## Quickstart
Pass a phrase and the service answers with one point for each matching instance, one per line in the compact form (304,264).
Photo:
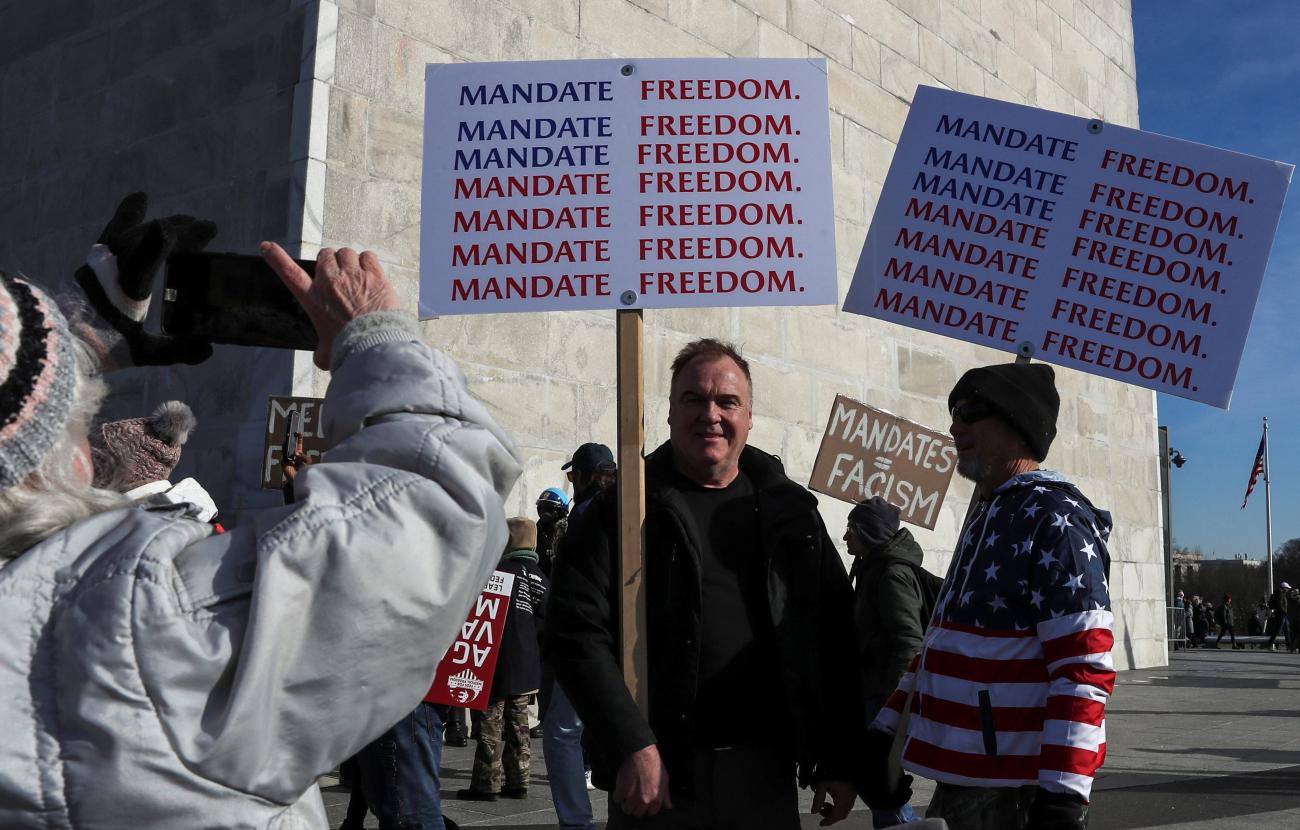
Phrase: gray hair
(57,494)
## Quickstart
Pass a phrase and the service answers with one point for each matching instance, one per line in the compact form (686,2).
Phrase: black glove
(118,278)
(876,789)
(1057,811)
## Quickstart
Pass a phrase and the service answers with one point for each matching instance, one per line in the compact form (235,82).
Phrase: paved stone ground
(1212,741)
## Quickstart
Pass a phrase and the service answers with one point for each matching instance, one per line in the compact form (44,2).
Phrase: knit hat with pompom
(137,451)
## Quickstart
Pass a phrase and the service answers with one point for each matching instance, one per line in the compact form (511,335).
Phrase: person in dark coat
(1225,617)
(749,628)
(504,750)
(889,609)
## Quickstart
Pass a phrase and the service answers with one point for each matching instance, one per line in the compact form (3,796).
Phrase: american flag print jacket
(1011,683)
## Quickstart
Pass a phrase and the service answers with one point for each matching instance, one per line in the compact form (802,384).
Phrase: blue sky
(1228,75)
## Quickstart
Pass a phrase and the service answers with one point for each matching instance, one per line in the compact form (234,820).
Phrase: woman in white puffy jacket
(155,674)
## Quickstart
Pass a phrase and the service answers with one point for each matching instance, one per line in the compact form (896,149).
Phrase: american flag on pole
(1255,471)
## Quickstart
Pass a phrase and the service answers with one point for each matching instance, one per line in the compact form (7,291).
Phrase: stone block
(772,11)
(1030,43)
(939,59)
(1103,38)
(901,76)
(760,332)
(81,64)
(782,394)
(926,12)
(925,373)
(969,37)
(578,348)
(655,7)
(693,323)
(822,29)
(866,55)
(31,27)
(798,453)
(826,345)
(365,8)
(626,28)
(866,103)
(29,84)
(561,14)
(849,200)
(551,43)
(597,414)
(349,118)
(356,43)
(1078,51)
(1015,71)
(892,26)
(728,26)
(394,144)
(970,75)
(398,65)
(530,408)
(775,42)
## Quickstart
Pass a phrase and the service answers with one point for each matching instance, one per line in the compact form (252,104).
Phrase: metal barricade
(1176,626)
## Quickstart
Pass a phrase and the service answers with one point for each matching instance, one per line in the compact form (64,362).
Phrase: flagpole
(1268,510)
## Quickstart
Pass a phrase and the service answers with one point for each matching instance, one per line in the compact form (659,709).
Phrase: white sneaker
(590,785)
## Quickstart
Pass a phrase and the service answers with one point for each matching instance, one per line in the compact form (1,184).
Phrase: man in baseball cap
(591,469)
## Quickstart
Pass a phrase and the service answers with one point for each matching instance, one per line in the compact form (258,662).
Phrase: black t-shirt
(739,681)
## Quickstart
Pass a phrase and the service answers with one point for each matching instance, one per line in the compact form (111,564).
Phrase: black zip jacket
(808,595)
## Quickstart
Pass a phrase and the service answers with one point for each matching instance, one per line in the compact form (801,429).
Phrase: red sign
(464,676)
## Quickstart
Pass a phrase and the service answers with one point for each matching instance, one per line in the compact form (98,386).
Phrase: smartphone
(233,298)
(292,435)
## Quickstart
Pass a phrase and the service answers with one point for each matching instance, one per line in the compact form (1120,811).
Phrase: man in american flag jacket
(1007,697)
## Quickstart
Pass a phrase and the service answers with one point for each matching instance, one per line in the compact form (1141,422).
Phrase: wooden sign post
(631,501)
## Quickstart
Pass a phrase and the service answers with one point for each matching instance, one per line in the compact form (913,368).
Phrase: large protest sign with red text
(598,184)
(464,676)
(1115,251)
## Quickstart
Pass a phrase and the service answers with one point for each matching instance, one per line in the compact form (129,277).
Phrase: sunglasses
(971,411)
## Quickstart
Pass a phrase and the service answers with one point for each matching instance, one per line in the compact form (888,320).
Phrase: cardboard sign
(600,184)
(869,452)
(1118,252)
(464,676)
(278,413)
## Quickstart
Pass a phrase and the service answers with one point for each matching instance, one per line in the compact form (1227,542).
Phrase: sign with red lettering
(598,184)
(869,452)
(464,676)
(1114,251)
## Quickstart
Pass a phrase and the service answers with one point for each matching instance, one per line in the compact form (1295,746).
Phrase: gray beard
(972,468)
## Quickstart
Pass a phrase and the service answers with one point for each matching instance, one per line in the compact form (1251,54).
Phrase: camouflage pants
(982,808)
(505,722)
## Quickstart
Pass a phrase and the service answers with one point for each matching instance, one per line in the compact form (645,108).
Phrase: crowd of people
(1270,617)
(163,670)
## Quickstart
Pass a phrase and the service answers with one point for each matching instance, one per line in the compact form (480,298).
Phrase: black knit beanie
(875,521)
(1024,394)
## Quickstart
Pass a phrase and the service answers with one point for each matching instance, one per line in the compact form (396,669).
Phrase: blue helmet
(555,496)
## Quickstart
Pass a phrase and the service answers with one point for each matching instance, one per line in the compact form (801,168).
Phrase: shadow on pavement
(1196,799)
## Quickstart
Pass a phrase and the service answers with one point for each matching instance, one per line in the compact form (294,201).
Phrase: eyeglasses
(971,411)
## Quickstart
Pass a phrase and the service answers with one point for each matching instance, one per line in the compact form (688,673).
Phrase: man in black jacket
(752,686)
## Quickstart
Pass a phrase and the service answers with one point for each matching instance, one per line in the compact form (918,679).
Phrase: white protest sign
(599,184)
(1118,252)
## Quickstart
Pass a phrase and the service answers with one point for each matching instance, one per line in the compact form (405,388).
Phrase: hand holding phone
(346,286)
